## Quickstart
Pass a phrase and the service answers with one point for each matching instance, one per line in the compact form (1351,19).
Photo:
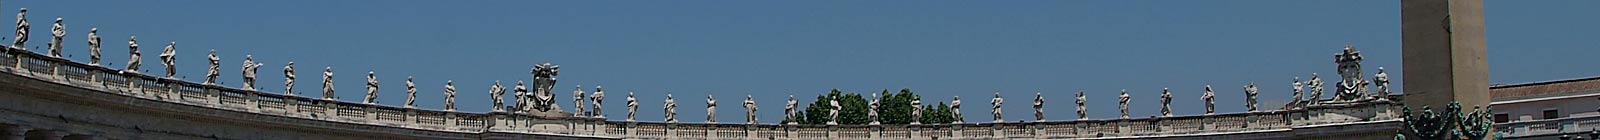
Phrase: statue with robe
(214,67)
(327,83)
(1250,93)
(1124,103)
(1210,98)
(633,106)
(372,88)
(749,109)
(1166,103)
(790,112)
(22,30)
(1038,107)
(872,109)
(595,100)
(249,69)
(833,110)
(1083,113)
(497,93)
(56,33)
(169,59)
(520,92)
(916,110)
(955,110)
(133,53)
(449,95)
(1316,89)
(1382,80)
(1299,90)
(577,102)
(711,109)
(94,46)
(997,101)
(288,78)
(411,93)
(671,110)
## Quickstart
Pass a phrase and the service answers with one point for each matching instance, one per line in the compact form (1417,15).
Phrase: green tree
(936,114)
(817,111)
(896,108)
(855,109)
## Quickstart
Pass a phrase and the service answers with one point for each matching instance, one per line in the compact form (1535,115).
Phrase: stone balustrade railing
(507,125)
(1535,128)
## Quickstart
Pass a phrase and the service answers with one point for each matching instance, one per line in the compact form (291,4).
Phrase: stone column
(1442,49)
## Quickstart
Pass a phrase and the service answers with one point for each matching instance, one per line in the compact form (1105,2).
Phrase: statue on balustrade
(1382,80)
(1299,90)
(672,110)
(711,109)
(789,111)
(916,110)
(497,93)
(56,33)
(327,83)
(543,83)
(1083,111)
(577,102)
(249,69)
(833,110)
(1166,103)
(1123,103)
(288,78)
(1352,85)
(449,95)
(596,100)
(214,68)
(372,88)
(518,93)
(749,109)
(411,93)
(955,110)
(1210,99)
(1316,89)
(1038,107)
(1250,93)
(133,54)
(22,30)
(997,101)
(94,46)
(872,109)
(169,59)
(633,106)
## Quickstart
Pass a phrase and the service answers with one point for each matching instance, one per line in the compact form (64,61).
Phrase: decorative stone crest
(544,80)
(1352,86)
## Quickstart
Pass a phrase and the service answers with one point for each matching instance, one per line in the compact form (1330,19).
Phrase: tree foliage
(817,111)
(937,114)
(855,109)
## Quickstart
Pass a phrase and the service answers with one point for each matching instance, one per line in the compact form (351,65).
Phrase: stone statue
(133,52)
(916,110)
(1083,111)
(497,94)
(214,67)
(833,110)
(1296,102)
(544,81)
(1166,103)
(22,30)
(411,93)
(1250,93)
(672,110)
(596,100)
(1352,85)
(633,106)
(577,102)
(872,109)
(449,95)
(789,111)
(520,92)
(372,88)
(1124,103)
(955,110)
(56,33)
(749,109)
(288,79)
(1382,80)
(1316,89)
(327,83)
(997,101)
(168,58)
(1038,107)
(711,109)
(94,46)
(249,69)
(1210,98)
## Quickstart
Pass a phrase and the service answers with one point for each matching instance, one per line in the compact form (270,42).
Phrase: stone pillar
(1442,50)
(16,133)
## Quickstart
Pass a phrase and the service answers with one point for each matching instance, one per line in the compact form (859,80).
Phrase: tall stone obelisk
(1443,53)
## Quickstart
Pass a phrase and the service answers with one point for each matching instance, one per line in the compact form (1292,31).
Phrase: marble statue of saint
(1166,103)
(1382,80)
(288,78)
(997,101)
(327,83)
(372,88)
(56,33)
(519,92)
(94,46)
(133,53)
(169,59)
(1299,90)
(872,109)
(711,109)
(449,95)
(1083,112)
(1250,93)
(789,111)
(916,110)
(497,93)
(1038,106)
(595,100)
(214,67)
(671,110)
(1210,98)
(249,71)
(577,101)
(955,110)
(749,109)
(833,110)
(1124,103)
(633,106)
(1316,89)
(22,30)
(411,93)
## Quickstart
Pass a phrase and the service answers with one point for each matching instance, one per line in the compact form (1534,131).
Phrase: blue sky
(772,49)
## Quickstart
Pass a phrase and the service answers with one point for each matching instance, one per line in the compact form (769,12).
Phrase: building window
(1501,118)
(1551,114)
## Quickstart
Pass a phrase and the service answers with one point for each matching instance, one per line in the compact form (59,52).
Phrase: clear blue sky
(772,49)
